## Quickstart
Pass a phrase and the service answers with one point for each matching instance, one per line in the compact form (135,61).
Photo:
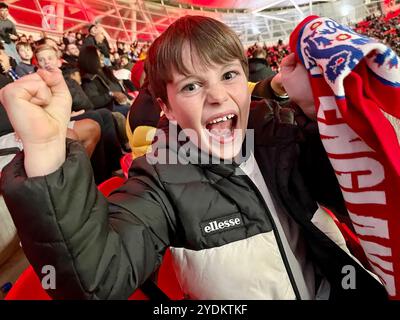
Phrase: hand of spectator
(39,109)
(297,85)
(13,37)
(120,97)
(77,113)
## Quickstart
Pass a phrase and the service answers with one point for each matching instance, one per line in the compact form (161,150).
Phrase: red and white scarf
(356,87)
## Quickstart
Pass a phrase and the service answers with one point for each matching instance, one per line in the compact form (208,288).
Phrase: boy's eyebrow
(197,76)
(185,77)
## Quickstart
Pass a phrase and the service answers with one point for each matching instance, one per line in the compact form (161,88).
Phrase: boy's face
(25,53)
(47,59)
(211,101)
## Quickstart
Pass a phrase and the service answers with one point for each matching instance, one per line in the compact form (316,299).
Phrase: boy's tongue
(221,128)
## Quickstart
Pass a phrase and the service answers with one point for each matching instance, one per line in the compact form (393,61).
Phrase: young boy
(25,67)
(241,230)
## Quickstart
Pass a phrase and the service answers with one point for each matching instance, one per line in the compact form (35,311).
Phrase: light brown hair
(22,44)
(212,41)
(44,47)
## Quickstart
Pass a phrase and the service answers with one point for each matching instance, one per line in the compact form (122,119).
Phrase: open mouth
(222,128)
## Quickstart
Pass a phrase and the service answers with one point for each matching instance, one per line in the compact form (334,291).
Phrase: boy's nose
(217,94)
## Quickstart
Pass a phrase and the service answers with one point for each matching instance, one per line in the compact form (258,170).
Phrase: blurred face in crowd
(25,52)
(94,30)
(124,61)
(72,50)
(4,61)
(53,43)
(71,37)
(3,13)
(212,101)
(48,59)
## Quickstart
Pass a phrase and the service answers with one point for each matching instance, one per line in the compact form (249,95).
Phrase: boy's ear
(167,111)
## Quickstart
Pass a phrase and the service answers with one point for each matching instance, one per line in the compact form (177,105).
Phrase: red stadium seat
(125,163)
(110,185)
(27,287)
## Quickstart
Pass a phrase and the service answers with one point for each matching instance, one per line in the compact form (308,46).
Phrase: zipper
(278,240)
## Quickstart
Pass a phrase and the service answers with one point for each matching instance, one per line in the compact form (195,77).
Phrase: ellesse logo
(221,224)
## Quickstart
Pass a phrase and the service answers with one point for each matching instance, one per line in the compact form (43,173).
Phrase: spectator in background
(70,38)
(30,39)
(258,66)
(23,38)
(71,53)
(105,158)
(79,39)
(8,33)
(120,48)
(126,63)
(103,46)
(116,64)
(99,83)
(97,38)
(7,65)
(90,40)
(25,52)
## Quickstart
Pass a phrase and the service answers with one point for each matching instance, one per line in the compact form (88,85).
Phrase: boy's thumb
(288,63)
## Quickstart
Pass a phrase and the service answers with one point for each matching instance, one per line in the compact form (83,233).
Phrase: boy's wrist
(277,87)
(44,158)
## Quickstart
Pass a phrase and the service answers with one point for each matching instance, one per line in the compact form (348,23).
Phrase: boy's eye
(190,87)
(230,75)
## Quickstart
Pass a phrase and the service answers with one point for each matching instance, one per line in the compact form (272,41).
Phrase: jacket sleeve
(99,99)
(100,248)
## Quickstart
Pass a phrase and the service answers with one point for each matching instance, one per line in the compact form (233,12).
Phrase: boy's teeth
(224,118)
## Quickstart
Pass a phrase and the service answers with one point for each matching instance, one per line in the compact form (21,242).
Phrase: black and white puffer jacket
(224,242)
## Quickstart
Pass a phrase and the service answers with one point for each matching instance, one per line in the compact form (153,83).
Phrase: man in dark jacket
(96,38)
(258,66)
(240,226)
(8,33)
